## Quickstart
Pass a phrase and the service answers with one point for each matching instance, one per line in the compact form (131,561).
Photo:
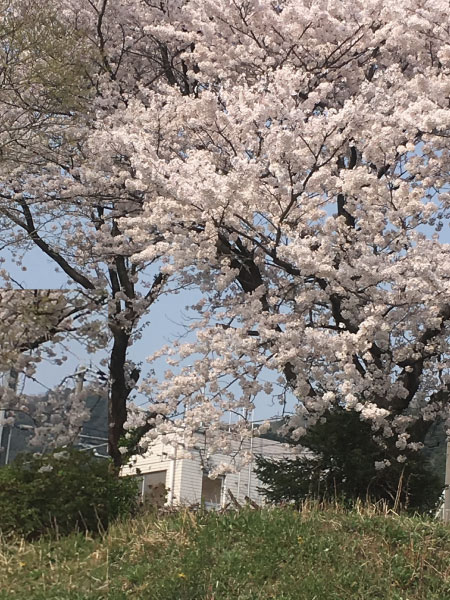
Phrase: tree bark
(119,392)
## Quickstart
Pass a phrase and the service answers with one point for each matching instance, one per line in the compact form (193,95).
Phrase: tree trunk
(118,394)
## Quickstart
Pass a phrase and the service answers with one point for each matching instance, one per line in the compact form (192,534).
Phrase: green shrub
(60,492)
(342,465)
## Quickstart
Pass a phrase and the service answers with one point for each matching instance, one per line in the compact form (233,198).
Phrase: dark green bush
(341,466)
(60,492)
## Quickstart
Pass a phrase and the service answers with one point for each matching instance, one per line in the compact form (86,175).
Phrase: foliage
(129,443)
(60,492)
(341,460)
(277,554)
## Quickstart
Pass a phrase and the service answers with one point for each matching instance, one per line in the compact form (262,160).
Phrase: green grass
(278,554)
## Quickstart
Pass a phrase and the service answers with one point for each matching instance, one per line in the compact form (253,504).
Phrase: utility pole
(2,427)
(446,511)
(80,375)
(13,380)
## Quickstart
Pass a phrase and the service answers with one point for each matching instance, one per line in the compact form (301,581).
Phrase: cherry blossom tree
(69,74)
(290,159)
(300,179)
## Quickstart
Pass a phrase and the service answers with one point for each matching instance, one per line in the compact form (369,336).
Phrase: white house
(186,480)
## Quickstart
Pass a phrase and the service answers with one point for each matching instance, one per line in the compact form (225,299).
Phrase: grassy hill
(278,554)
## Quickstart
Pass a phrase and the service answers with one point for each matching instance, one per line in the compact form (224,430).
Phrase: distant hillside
(94,432)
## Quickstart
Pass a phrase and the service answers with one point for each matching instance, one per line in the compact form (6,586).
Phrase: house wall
(245,483)
(185,475)
(241,484)
(159,457)
(191,475)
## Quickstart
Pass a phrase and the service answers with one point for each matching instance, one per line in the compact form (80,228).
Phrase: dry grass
(326,553)
(72,567)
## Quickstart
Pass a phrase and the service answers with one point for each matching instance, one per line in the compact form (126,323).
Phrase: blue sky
(166,320)
(166,323)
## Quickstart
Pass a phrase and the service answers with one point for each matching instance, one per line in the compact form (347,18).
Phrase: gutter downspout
(8,445)
(250,466)
(172,483)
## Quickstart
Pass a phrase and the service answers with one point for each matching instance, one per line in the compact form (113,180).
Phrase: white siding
(184,475)
(159,457)
(245,483)
(191,479)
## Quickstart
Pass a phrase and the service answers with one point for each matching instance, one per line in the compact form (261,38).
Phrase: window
(211,491)
(154,488)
